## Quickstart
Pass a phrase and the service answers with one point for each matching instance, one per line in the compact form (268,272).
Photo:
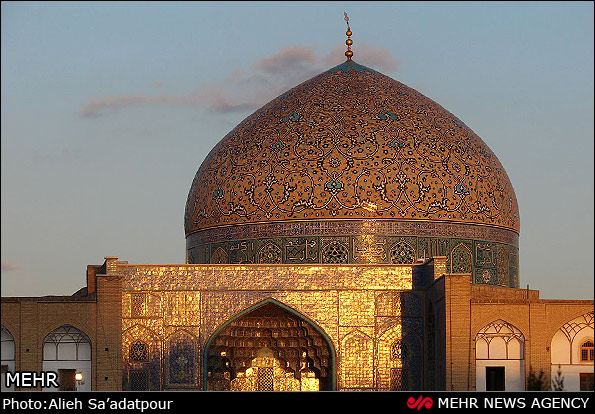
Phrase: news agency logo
(31,379)
(43,379)
(420,403)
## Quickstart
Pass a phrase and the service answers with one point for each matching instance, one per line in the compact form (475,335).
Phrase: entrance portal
(269,349)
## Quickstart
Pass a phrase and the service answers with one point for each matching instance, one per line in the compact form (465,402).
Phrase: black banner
(176,401)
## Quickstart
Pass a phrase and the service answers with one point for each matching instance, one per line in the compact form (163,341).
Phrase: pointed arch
(357,361)
(288,337)
(565,334)
(270,253)
(499,340)
(67,350)
(7,354)
(399,353)
(571,353)
(500,357)
(219,256)
(141,373)
(181,359)
(402,253)
(66,343)
(7,351)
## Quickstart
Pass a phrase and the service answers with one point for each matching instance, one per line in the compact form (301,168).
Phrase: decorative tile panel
(375,244)
(181,309)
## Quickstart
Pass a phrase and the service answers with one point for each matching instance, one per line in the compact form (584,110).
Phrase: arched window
(499,340)
(587,351)
(7,353)
(7,345)
(567,342)
(67,351)
(66,344)
(460,259)
(572,353)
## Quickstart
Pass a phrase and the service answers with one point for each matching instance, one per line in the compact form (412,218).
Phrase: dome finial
(348,42)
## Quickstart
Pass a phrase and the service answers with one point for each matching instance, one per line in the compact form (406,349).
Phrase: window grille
(399,350)
(137,305)
(399,379)
(139,380)
(264,379)
(138,351)
(587,351)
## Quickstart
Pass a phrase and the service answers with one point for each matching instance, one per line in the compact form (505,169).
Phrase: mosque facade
(351,234)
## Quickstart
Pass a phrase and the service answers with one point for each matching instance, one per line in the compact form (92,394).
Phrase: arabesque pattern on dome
(351,143)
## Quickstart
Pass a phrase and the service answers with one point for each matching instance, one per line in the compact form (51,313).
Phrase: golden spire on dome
(348,42)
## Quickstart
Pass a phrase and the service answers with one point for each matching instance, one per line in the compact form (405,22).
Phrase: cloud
(244,90)
(9,266)
(289,59)
(97,106)
(212,97)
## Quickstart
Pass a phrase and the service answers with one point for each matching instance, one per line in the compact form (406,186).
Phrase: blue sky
(109,108)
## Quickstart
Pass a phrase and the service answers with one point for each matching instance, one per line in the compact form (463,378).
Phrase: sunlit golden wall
(170,312)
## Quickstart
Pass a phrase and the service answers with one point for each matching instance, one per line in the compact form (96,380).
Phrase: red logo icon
(420,403)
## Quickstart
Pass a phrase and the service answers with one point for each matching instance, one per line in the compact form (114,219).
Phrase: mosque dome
(350,154)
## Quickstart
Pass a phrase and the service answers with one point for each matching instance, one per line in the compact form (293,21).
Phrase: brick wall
(108,348)
(31,319)
(468,308)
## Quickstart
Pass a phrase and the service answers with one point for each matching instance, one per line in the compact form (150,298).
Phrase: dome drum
(490,254)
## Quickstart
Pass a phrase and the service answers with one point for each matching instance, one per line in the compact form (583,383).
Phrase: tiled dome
(350,145)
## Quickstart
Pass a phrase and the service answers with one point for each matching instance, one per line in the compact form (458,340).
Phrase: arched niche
(500,357)
(357,361)
(67,351)
(142,354)
(567,350)
(7,353)
(292,343)
(399,354)
(181,359)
